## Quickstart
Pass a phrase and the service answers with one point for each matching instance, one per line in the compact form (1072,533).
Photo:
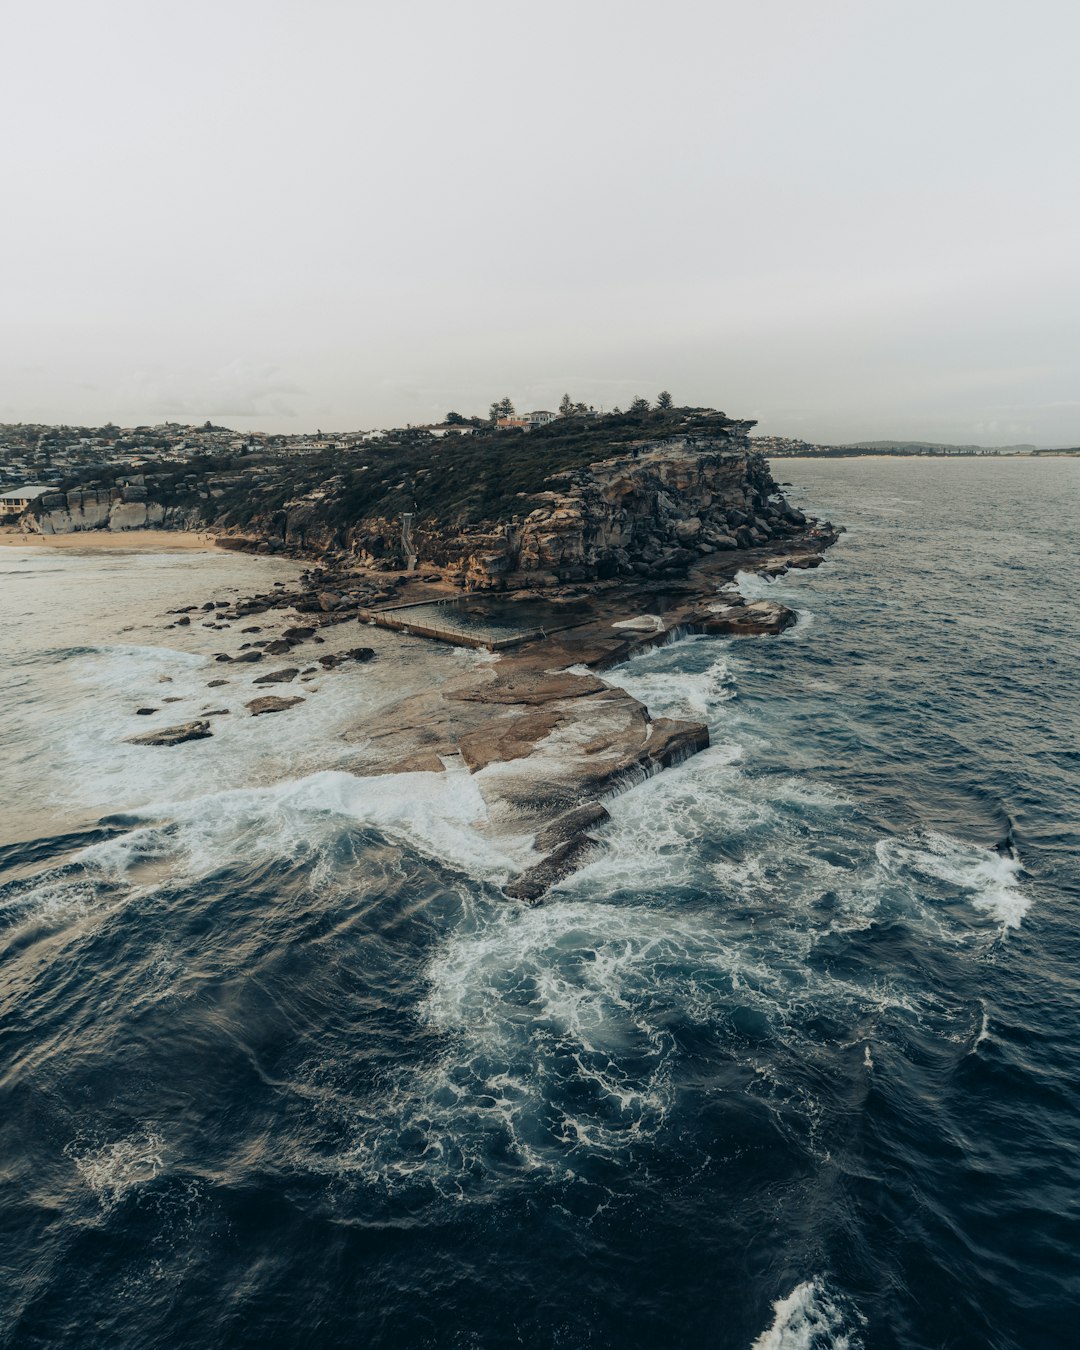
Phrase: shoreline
(114,541)
(545,731)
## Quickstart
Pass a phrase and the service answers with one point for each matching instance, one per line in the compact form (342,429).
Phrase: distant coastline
(788,447)
(920,454)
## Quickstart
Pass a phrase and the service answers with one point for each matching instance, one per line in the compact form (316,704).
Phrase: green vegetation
(478,477)
(491,476)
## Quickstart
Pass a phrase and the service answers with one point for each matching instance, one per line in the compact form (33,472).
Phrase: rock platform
(547,740)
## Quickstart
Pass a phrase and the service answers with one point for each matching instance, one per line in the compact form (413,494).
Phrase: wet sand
(120,541)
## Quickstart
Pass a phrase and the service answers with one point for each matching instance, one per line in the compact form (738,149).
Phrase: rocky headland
(622,554)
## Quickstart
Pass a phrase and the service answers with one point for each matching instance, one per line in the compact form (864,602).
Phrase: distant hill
(917,447)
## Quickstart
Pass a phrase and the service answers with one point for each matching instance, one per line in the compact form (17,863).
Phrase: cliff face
(648,513)
(126,508)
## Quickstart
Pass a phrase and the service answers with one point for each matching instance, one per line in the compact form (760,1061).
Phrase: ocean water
(793,1064)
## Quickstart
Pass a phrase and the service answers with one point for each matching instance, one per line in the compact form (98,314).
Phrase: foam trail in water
(989,880)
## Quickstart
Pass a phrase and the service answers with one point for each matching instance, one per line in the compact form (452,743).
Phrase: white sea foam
(783,590)
(989,880)
(113,1168)
(808,1318)
(441,816)
(436,813)
(96,769)
(661,681)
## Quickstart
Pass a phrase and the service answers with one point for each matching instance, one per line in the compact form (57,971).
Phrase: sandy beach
(120,541)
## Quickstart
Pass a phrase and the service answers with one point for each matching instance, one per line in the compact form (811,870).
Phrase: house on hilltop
(527,422)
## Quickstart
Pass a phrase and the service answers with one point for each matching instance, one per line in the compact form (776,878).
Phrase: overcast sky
(846,218)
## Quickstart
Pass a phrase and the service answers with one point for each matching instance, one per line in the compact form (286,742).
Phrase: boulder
(271,703)
(277,676)
(189,731)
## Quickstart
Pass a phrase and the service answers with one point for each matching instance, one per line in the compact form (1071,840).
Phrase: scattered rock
(278,648)
(215,684)
(145,712)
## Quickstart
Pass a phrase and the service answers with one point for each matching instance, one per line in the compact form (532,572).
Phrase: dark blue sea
(792,1064)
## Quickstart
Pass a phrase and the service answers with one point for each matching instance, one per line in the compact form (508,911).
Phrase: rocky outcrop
(271,703)
(651,513)
(189,731)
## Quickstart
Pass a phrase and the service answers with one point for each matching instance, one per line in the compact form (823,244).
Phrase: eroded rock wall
(105,509)
(648,513)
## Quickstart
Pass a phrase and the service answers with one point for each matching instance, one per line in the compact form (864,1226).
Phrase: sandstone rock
(505,738)
(271,703)
(189,731)
(687,531)
(531,688)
